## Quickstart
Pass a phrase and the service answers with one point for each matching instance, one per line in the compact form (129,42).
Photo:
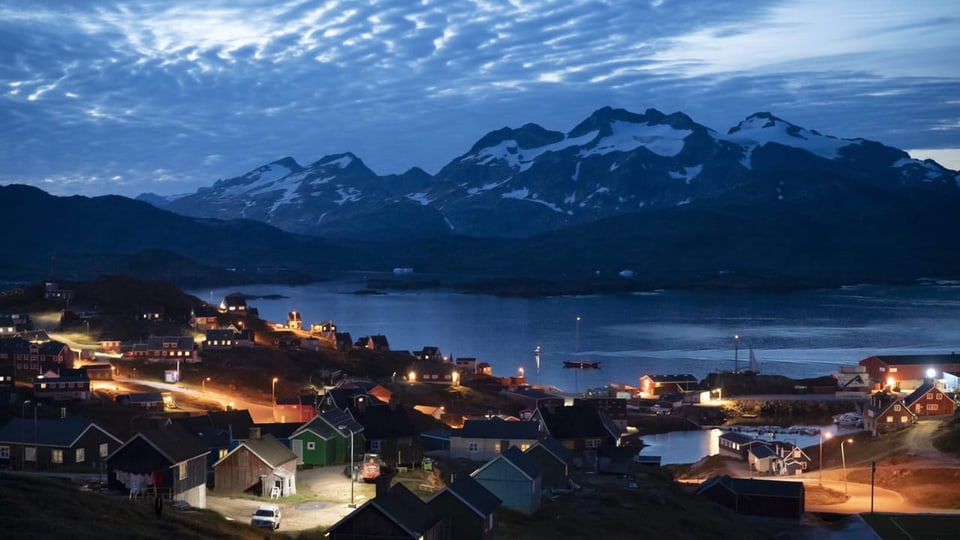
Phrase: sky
(163,96)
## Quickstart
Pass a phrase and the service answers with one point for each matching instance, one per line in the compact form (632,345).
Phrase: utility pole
(873,473)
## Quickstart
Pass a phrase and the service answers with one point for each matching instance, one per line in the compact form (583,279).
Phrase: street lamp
(576,338)
(843,458)
(521,372)
(203,384)
(353,473)
(821,455)
(273,398)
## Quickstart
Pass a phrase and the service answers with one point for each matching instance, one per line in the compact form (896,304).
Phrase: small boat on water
(849,419)
(571,364)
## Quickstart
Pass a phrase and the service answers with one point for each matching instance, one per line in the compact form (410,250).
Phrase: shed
(514,478)
(260,464)
(756,497)
(469,509)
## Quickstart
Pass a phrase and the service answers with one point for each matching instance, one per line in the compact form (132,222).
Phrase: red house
(928,400)
(909,371)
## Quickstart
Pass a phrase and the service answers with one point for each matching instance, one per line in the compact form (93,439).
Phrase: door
(297,447)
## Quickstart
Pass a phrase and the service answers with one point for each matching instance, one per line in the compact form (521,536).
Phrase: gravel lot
(328,485)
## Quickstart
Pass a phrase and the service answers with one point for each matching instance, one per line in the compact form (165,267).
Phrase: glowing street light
(521,372)
(736,353)
(273,397)
(203,384)
(843,458)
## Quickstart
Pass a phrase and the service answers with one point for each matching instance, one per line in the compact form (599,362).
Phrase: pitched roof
(280,430)
(61,432)
(473,494)
(498,429)
(755,487)
(554,447)
(407,510)
(738,438)
(574,422)
(762,450)
(921,391)
(387,421)
(671,378)
(267,449)
(522,462)
(330,424)
(173,442)
(915,359)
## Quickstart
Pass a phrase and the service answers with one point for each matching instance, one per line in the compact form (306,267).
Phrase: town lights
(273,398)
(828,435)
(521,372)
(843,459)
(412,376)
(456,377)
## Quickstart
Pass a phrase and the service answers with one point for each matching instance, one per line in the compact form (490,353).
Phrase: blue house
(513,477)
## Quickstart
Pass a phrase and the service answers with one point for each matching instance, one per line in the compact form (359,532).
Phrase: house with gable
(736,444)
(762,459)
(168,459)
(233,303)
(930,400)
(755,497)
(220,338)
(886,412)
(219,430)
(554,461)
(205,318)
(513,477)
(482,440)
(580,429)
(69,444)
(393,431)
(397,514)
(469,510)
(792,459)
(657,385)
(326,439)
(261,465)
(68,385)
(35,356)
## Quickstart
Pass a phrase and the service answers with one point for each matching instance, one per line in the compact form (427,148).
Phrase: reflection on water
(691,446)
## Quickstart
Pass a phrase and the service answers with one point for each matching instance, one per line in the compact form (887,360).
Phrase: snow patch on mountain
(347,194)
(342,162)
(760,129)
(576,172)
(420,198)
(688,173)
(660,139)
(509,151)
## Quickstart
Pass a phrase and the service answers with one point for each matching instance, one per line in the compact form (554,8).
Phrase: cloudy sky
(164,96)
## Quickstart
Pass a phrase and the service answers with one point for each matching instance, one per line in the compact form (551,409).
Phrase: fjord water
(797,334)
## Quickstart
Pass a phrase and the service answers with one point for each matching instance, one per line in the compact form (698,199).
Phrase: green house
(326,439)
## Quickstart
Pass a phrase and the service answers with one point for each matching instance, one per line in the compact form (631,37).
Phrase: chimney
(254,432)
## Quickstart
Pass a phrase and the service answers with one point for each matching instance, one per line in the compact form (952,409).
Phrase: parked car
(267,515)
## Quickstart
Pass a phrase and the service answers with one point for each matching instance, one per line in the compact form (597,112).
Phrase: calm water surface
(796,334)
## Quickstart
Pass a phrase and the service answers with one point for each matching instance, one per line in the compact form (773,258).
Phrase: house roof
(474,495)
(916,359)
(61,432)
(280,430)
(533,393)
(173,442)
(498,429)
(673,378)
(520,461)
(327,425)
(575,422)
(407,510)
(755,487)
(738,438)
(762,451)
(554,447)
(267,449)
(387,421)
(921,391)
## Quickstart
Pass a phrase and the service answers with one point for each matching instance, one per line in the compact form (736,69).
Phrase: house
(886,412)
(755,497)
(261,464)
(165,348)
(233,303)
(614,408)
(930,400)
(482,440)
(579,429)
(151,313)
(109,345)
(430,354)
(468,508)
(793,460)
(908,371)
(435,373)
(296,409)
(514,478)
(374,343)
(152,401)
(69,444)
(655,385)
(35,357)
(735,445)
(72,384)
(205,318)
(393,431)
(168,460)
(102,371)
(219,430)
(553,459)
(220,338)
(533,398)
(327,439)
(762,459)
(7,326)
(342,341)
(397,514)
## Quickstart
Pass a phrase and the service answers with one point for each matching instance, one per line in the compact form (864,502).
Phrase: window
(893,370)
(524,447)
(81,455)
(182,469)
(30,454)
(592,443)
(311,445)
(889,419)
(56,455)
(903,419)
(104,450)
(222,453)
(932,406)
(896,408)
(4,452)
(929,396)
(939,396)
(473,446)
(376,446)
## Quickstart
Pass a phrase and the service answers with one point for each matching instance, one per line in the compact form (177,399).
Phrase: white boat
(848,419)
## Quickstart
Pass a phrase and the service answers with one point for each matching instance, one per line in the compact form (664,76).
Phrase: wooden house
(300,408)
(233,303)
(168,459)
(71,384)
(205,318)
(514,478)
(467,365)
(220,338)
(930,400)
(483,440)
(792,459)
(151,401)
(327,439)
(70,444)
(554,460)
(580,429)
(343,342)
(393,431)
(756,497)
(533,398)
(469,510)
(908,370)
(614,408)
(657,385)
(762,459)
(886,412)
(221,431)
(35,356)
(397,514)
(735,444)
(261,465)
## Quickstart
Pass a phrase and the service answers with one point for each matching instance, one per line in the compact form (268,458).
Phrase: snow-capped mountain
(527,181)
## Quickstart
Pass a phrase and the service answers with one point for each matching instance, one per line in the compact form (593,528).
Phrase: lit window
(222,453)
(896,408)
(81,455)
(496,447)
(524,447)
(890,419)
(893,370)
(56,456)
(182,469)
(104,450)
(31,453)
